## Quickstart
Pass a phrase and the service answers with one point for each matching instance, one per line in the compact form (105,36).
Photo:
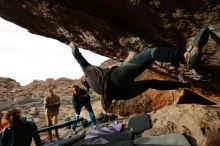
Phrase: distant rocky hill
(12,93)
(6,85)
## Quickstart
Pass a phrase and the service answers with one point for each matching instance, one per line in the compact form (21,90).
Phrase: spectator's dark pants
(91,115)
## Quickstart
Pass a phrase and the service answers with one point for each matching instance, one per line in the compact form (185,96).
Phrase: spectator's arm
(83,92)
(75,106)
(58,101)
(45,103)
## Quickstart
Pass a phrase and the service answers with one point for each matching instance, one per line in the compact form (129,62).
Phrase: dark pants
(91,115)
(199,42)
(202,37)
(123,77)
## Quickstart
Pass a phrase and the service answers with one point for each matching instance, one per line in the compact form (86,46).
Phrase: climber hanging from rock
(117,83)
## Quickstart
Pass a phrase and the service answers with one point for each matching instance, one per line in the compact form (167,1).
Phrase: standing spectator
(52,104)
(19,131)
(81,98)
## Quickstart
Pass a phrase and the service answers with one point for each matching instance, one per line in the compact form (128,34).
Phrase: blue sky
(26,57)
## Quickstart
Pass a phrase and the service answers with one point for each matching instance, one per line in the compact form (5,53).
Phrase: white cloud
(25,56)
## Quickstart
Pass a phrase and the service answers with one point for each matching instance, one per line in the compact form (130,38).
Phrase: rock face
(113,27)
(200,124)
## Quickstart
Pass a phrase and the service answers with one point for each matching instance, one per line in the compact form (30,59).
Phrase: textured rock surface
(113,27)
(200,124)
(7,84)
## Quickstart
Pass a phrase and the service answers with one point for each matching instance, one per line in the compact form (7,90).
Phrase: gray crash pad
(162,140)
(97,141)
(139,123)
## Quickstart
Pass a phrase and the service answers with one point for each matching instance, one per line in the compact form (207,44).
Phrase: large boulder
(200,124)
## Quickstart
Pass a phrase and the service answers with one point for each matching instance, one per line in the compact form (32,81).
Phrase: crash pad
(139,123)
(162,140)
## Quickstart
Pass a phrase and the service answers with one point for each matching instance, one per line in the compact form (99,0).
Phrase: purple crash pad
(113,128)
